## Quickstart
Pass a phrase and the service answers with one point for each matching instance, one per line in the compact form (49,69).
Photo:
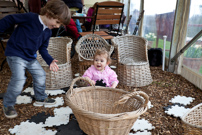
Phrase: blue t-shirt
(27,38)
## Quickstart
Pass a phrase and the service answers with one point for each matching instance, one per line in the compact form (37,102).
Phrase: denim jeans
(18,67)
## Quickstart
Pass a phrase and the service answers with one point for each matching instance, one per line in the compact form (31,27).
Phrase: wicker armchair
(86,47)
(133,66)
(60,49)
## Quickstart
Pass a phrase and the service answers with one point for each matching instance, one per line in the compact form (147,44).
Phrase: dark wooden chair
(124,29)
(113,30)
(107,12)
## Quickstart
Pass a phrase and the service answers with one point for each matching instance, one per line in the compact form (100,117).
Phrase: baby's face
(100,62)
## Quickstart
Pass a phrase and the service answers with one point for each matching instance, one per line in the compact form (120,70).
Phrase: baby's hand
(53,66)
(114,85)
(93,82)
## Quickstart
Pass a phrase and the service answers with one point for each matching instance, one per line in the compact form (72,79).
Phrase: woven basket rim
(187,113)
(66,38)
(124,36)
(59,65)
(61,37)
(133,64)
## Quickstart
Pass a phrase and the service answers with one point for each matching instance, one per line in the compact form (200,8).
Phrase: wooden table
(101,33)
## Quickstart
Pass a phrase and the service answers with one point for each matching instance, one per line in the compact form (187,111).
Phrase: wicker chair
(133,66)
(86,47)
(60,49)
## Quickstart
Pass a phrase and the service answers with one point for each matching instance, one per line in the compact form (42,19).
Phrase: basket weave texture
(86,48)
(192,121)
(133,65)
(60,49)
(105,111)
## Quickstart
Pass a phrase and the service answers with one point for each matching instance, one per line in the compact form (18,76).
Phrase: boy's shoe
(10,112)
(46,101)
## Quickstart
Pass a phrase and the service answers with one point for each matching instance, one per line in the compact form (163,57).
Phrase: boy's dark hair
(57,9)
(103,52)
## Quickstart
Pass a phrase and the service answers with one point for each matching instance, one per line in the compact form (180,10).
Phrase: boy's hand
(53,66)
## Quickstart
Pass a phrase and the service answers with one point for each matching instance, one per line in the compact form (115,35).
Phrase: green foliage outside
(160,45)
(193,52)
(150,37)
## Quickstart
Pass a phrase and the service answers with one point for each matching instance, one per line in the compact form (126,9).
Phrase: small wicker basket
(60,49)
(105,111)
(192,121)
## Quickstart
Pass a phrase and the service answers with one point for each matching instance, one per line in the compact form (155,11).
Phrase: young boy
(32,33)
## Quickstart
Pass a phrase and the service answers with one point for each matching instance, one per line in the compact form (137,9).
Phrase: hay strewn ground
(164,87)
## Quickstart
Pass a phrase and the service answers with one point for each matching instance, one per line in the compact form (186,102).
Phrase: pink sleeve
(88,73)
(112,77)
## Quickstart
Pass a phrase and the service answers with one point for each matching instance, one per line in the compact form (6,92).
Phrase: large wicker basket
(192,121)
(60,49)
(105,111)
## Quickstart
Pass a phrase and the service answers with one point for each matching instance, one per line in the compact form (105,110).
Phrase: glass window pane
(193,55)
(134,11)
(125,10)
(158,21)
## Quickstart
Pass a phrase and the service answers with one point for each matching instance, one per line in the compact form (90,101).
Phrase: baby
(100,73)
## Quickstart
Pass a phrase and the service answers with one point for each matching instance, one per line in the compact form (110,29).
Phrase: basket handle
(79,78)
(125,97)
